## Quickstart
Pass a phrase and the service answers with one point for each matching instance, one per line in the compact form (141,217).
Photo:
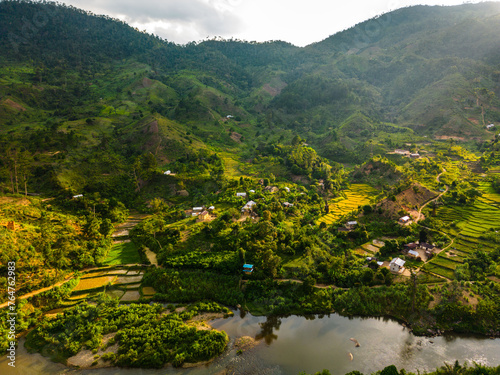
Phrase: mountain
(75,86)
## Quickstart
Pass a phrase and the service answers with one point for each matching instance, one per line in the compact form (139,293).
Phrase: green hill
(75,86)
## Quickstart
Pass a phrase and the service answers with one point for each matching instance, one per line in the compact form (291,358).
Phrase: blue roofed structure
(248,268)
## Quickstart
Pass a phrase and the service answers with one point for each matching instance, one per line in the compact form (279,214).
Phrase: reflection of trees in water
(267,329)
(243,313)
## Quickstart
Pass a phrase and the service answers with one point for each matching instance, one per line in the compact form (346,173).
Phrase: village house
(271,189)
(413,254)
(286,204)
(203,216)
(409,246)
(211,208)
(397,265)
(167,172)
(490,126)
(77,196)
(351,224)
(248,206)
(287,189)
(426,246)
(415,155)
(404,219)
(241,194)
(197,208)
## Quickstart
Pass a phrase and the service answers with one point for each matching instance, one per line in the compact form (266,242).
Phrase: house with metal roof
(397,265)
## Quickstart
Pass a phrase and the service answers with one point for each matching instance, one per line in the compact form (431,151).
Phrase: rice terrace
(472,227)
(353,198)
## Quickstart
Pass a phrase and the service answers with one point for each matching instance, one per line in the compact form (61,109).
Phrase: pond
(288,345)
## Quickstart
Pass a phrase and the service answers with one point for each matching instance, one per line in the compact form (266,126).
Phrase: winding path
(119,235)
(38,291)
(434,199)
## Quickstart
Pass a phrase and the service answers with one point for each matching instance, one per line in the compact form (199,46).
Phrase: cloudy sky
(300,22)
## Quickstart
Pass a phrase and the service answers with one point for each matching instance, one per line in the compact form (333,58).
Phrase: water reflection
(290,344)
(267,329)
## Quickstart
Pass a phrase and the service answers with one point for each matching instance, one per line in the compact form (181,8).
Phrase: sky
(300,22)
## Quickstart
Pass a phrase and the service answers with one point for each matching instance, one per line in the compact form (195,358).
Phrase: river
(288,345)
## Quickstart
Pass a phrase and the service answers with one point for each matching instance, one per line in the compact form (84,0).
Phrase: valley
(149,189)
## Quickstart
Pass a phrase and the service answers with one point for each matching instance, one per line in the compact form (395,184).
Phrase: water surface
(288,345)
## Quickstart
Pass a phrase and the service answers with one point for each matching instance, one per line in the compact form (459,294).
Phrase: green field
(467,225)
(123,253)
(438,270)
(357,195)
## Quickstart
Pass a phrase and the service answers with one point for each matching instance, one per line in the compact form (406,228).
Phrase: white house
(351,224)
(252,191)
(248,206)
(77,196)
(287,189)
(167,172)
(404,219)
(197,208)
(287,204)
(413,253)
(397,265)
(229,116)
(490,126)
(211,208)
(241,194)
(415,155)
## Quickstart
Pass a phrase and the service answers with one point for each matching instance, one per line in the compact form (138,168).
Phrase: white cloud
(297,21)
(176,20)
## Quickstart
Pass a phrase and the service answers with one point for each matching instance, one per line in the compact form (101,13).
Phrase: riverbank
(293,344)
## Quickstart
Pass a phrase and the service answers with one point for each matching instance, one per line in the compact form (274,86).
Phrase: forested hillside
(147,170)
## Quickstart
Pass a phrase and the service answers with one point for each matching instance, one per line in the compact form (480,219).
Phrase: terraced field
(468,223)
(369,248)
(123,283)
(494,171)
(357,195)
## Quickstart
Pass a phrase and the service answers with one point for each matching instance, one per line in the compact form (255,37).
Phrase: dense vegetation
(98,121)
(146,337)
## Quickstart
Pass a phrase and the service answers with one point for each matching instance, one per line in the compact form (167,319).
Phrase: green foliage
(145,338)
(191,286)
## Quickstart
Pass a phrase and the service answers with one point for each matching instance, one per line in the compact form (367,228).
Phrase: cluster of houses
(201,213)
(270,189)
(490,126)
(415,250)
(414,155)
